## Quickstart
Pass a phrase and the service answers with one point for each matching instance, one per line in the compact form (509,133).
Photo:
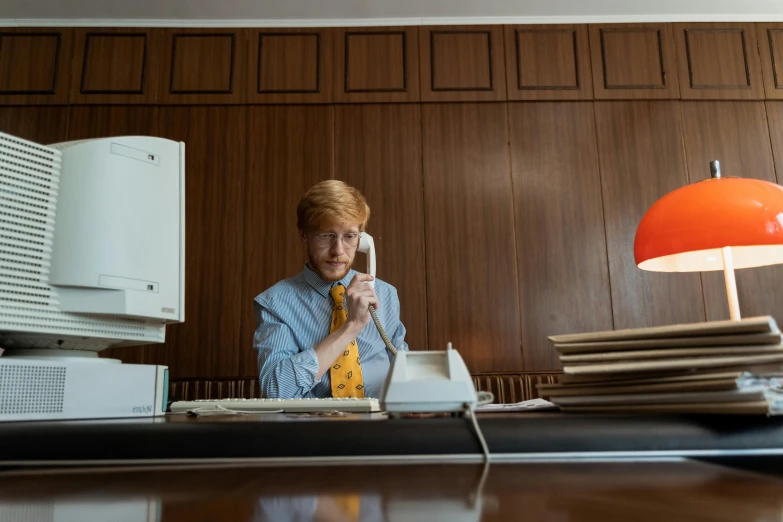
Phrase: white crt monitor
(93,243)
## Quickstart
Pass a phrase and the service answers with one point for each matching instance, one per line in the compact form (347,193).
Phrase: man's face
(330,252)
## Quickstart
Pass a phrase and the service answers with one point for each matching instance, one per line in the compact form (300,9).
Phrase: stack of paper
(712,367)
(529,405)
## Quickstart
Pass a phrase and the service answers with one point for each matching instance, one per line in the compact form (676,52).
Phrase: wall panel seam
(603,211)
(509,152)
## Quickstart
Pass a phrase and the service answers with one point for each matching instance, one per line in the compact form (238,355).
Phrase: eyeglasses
(326,239)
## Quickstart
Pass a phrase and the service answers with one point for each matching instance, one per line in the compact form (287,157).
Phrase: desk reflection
(565,492)
(323,508)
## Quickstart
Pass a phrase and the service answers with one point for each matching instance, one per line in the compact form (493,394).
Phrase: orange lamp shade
(685,230)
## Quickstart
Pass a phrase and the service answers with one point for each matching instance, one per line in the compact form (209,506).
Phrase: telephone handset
(367,246)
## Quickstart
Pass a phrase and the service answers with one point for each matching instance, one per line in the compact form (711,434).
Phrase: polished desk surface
(668,491)
(235,477)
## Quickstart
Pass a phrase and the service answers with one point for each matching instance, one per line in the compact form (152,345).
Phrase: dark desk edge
(521,437)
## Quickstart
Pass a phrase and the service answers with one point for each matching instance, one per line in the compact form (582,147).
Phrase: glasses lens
(324,240)
(351,240)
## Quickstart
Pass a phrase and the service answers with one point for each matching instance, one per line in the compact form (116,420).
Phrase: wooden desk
(684,491)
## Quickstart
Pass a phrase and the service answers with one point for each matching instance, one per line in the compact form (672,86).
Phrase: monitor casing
(92,257)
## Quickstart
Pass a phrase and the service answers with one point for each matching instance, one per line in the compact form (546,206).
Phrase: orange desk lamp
(716,224)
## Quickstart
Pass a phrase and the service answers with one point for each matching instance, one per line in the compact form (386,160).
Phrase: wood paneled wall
(718,61)
(469,228)
(507,167)
(563,276)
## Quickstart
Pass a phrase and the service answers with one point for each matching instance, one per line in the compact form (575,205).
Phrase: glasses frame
(327,239)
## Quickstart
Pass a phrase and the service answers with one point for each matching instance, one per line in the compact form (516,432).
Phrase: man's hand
(358,297)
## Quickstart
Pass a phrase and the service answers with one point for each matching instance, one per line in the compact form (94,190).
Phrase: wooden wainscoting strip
(506,387)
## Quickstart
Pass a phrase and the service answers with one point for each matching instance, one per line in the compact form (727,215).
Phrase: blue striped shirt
(292,318)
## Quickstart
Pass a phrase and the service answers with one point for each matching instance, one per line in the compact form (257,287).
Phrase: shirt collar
(321,286)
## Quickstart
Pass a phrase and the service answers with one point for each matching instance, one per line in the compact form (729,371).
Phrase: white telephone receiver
(367,246)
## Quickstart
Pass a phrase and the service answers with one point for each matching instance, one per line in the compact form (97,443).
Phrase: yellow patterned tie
(348,505)
(346,372)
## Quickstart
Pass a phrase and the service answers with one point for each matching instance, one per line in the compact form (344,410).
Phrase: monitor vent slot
(29,389)
(26,512)
(41,152)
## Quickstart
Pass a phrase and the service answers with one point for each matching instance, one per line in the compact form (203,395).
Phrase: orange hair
(331,202)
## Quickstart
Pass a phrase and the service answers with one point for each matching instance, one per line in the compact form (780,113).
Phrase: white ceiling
(376,12)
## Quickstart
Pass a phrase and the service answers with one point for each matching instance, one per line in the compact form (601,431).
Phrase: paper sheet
(531,405)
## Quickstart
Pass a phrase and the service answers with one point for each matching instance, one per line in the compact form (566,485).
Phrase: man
(314,334)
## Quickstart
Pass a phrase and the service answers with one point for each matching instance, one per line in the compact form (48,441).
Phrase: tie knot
(338,294)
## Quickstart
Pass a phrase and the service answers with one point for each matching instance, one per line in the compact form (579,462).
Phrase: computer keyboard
(352,405)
